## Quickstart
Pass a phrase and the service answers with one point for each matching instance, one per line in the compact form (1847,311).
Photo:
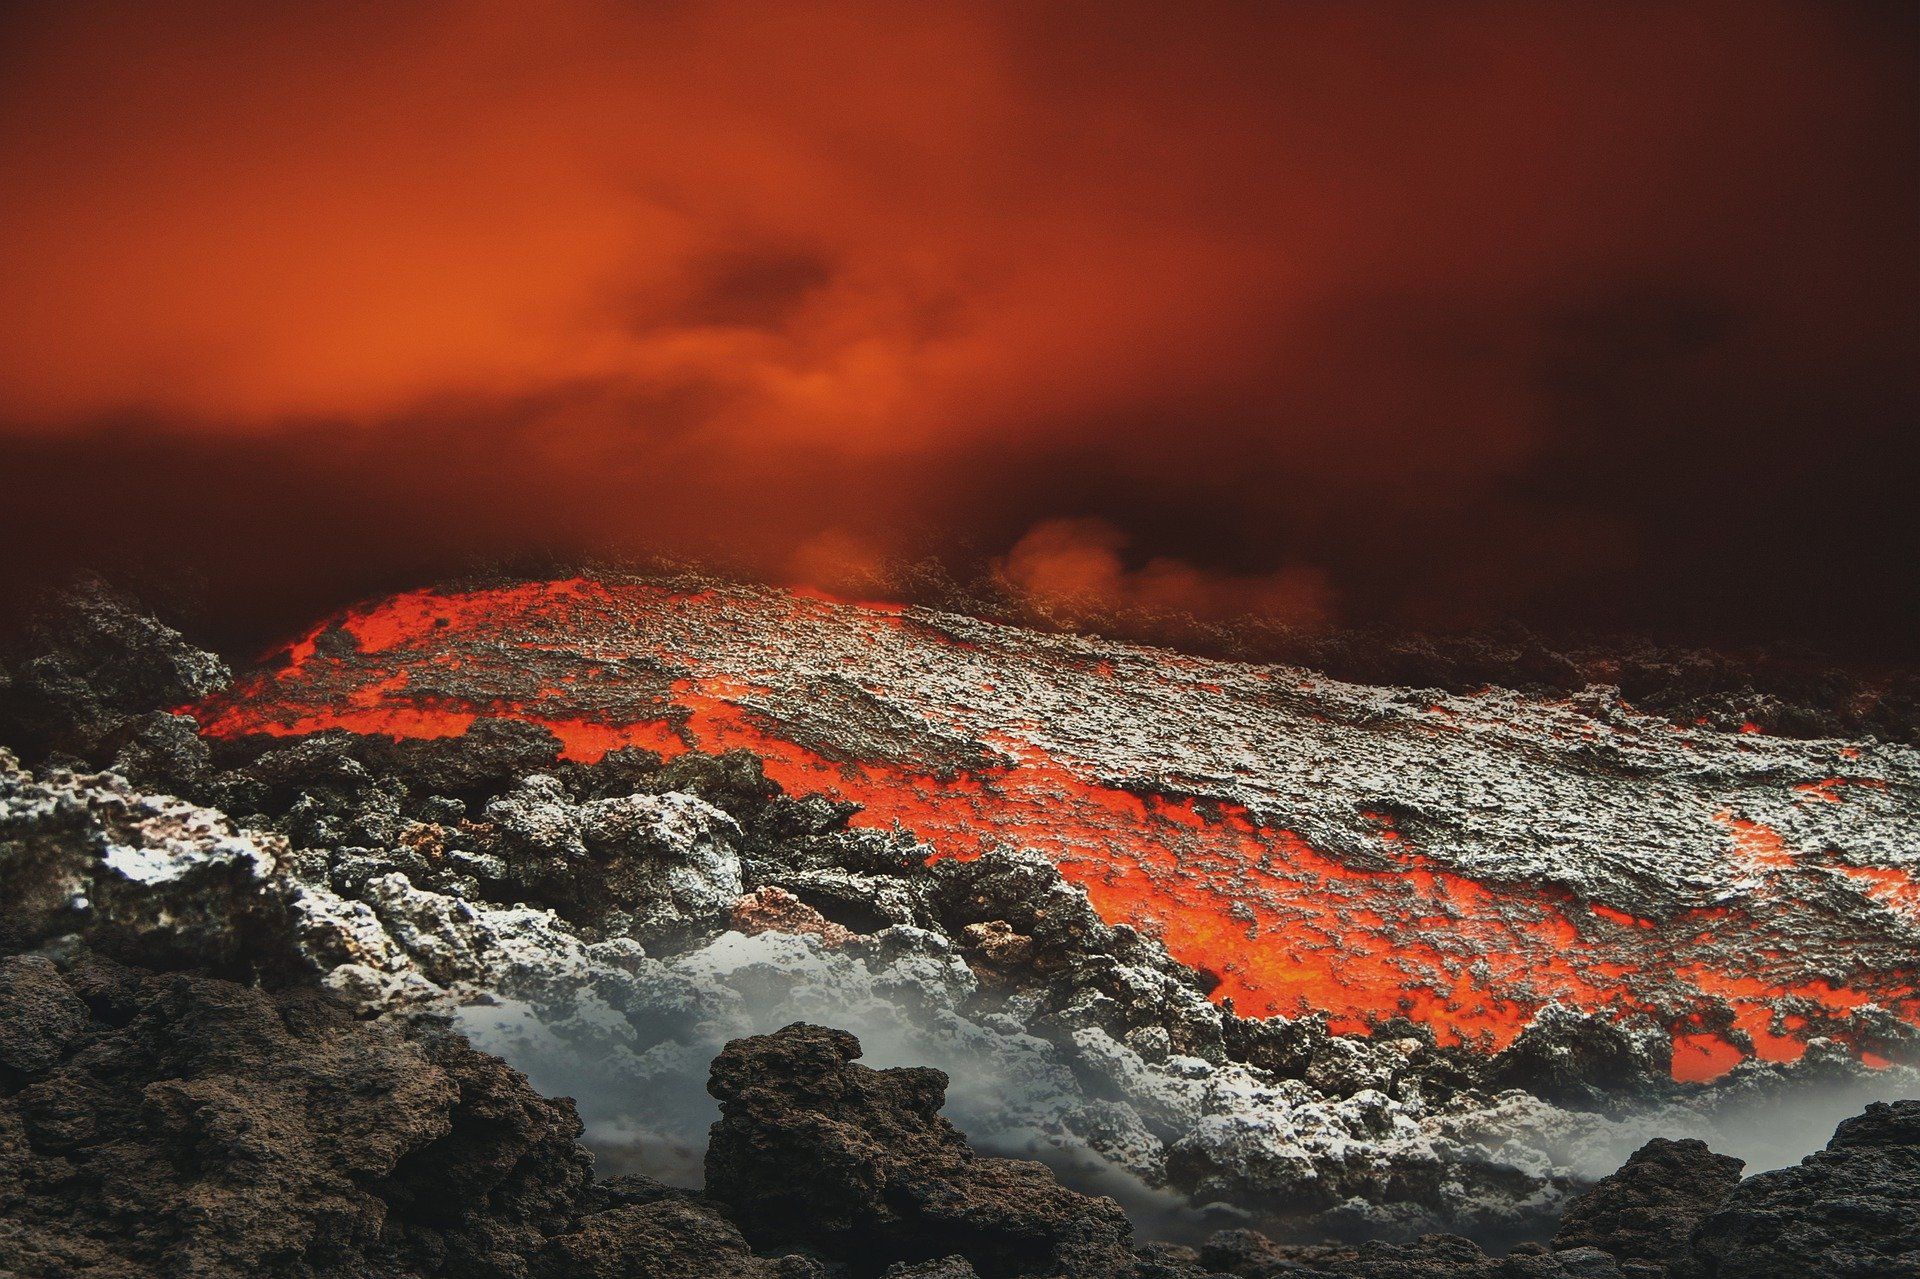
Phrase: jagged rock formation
(1649,1208)
(1075,1040)
(173,1124)
(167,1123)
(814,1149)
(1852,1209)
(91,662)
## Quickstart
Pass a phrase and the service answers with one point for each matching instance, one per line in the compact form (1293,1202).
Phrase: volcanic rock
(672,1237)
(580,918)
(143,873)
(945,1268)
(1465,861)
(189,1126)
(1851,1210)
(90,664)
(668,861)
(1084,1044)
(775,910)
(1566,1057)
(1647,1210)
(814,1148)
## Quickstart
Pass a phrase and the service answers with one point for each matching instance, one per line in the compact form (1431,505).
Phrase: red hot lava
(1315,846)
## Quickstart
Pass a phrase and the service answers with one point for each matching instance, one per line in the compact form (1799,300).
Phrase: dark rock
(165,752)
(1250,1256)
(1647,1209)
(180,1125)
(1579,1060)
(677,1238)
(1246,1253)
(90,663)
(225,1131)
(1851,1210)
(483,761)
(39,1016)
(945,1268)
(812,1148)
(734,782)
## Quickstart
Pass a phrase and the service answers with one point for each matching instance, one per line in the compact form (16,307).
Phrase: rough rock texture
(180,1125)
(1647,1210)
(611,926)
(148,873)
(812,1148)
(1852,1209)
(1313,846)
(775,910)
(1070,1040)
(167,1124)
(90,664)
(185,1125)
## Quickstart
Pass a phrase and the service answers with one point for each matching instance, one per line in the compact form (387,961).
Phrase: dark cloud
(1596,315)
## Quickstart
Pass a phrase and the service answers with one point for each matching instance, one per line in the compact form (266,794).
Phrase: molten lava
(1314,846)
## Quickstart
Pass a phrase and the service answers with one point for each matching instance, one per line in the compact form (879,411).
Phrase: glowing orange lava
(1286,928)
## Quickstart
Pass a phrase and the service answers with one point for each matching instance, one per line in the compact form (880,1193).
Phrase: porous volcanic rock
(170,1123)
(92,662)
(180,1125)
(1311,845)
(140,872)
(1070,1039)
(1648,1209)
(813,1148)
(1850,1210)
(775,910)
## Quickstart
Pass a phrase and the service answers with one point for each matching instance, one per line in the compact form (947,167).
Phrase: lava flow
(1314,846)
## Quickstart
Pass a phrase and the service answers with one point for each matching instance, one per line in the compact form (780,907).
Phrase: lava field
(1309,846)
(532,930)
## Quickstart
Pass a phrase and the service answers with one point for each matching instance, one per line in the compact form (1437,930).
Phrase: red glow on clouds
(1330,309)
(1074,567)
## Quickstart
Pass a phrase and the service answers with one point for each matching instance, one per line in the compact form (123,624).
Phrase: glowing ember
(1315,846)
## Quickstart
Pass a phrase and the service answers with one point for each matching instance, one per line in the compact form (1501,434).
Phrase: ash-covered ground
(608,927)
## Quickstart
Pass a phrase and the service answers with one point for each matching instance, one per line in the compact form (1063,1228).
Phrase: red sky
(1595,314)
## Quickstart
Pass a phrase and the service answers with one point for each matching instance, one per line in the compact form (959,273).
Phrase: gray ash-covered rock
(666,865)
(152,876)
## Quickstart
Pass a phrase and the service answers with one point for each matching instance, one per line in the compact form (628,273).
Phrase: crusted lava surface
(1461,861)
(232,960)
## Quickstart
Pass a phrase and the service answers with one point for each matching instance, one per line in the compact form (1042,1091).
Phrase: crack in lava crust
(1315,846)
